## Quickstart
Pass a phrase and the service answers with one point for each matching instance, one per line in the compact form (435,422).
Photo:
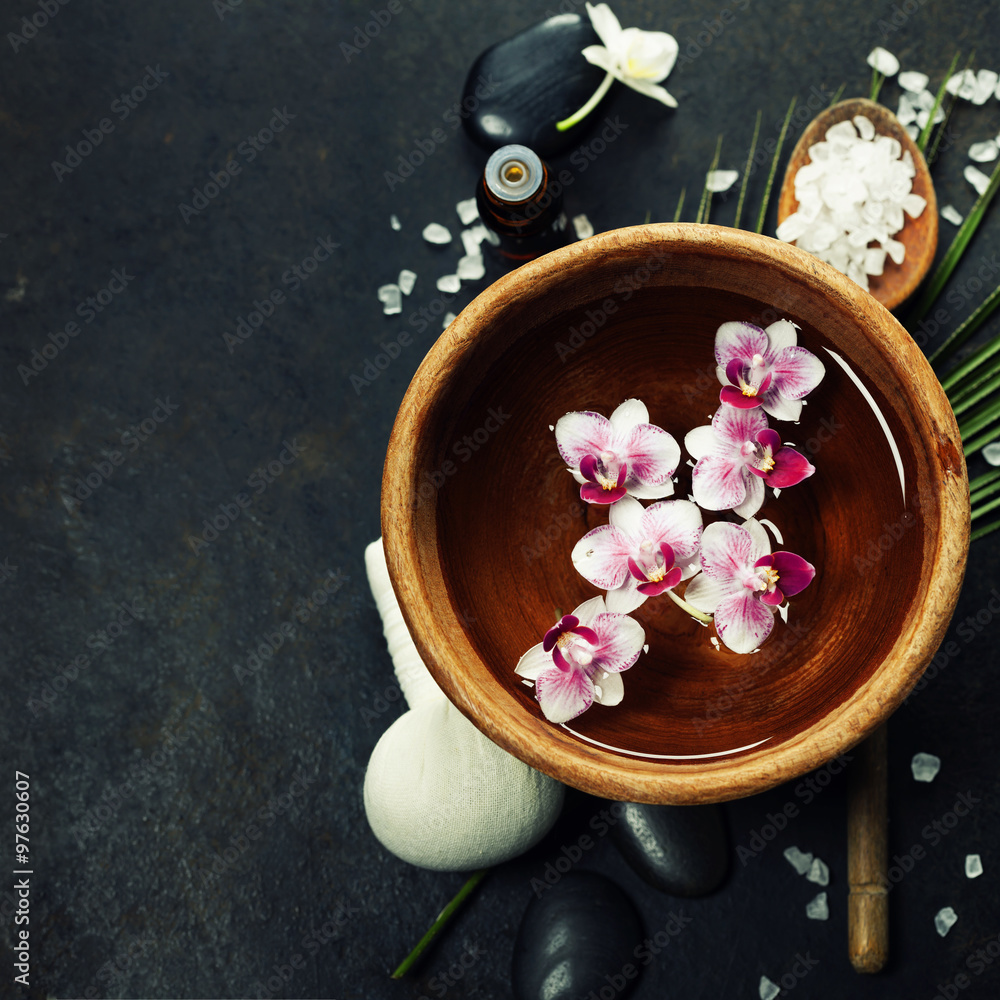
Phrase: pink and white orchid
(623,454)
(742,582)
(642,552)
(736,457)
(581,659)
(765,368)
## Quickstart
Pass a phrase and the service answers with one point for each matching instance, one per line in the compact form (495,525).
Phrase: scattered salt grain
(767,990)
(471,238)
(951,214)
(884,61)
(392,301)
(449,283)
(799,861)
(395,223)
(962,84)
(819,872)
(973,866)
(715,642)
(467,211)
(783,611)
(992,453)
(582,227)
(471,267)
(913,132)
(865,128)
(976,178)
(944,920)
(437,234)
(984,152)
(818,908)
(718,181)
(913,81)
(907,110)
(449,318)
(986,83)
(407,279)
(925,766)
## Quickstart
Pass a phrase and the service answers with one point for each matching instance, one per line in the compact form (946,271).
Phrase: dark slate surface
(193,830)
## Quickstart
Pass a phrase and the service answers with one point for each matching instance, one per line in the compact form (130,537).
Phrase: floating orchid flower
(642,552)
(765,368)
(639,59)
(736,456)
(625,454)
(580,660)
(742,582)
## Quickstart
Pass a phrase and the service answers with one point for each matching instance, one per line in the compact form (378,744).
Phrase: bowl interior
(496,514)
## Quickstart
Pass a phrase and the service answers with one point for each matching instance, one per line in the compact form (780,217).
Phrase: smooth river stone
(518,89)
(682,850)
(576,939)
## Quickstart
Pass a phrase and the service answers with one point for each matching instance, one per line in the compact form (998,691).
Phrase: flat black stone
(682,850)
(576,939)
(521,87)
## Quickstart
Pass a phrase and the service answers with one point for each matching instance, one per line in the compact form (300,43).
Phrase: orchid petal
(782,334)
(700,442)
(648,89)
(635,571)
(755,496)
(779,407)
(742,622)
(588,468)
(648,55)
(565,624)
(794,572)
(736,397)
(653,455)
(790,468)
(734,371)
(534,662)
(797,372)
(620,641)
(736,427)
(563,695)
(609,689)
(599,557)
(739,340)
(653,589)
(644,491)
(582,433)
(760,542)
(626,598)
(589,610)
(772,597)
(676,522)
(769,438)
(717,483)
(598,55)
(706,593)
(628,416)
(626,516)
(606,24)
(727,550)
(592,493)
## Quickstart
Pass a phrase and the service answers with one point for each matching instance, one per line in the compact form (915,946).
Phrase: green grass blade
(987,437)
(983,417)
(837,96)
(968,328)
(954,254)
(986,390)
(746,172)
(705,208)
(969,366)
(987,477)
(986,491)
(680,205)
(985,508)
(984,531)
(877,80)
(774,166)
(939,97)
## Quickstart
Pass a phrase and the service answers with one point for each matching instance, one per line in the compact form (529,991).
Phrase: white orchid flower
(639,59)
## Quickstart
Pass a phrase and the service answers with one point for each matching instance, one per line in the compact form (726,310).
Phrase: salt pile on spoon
(852,194)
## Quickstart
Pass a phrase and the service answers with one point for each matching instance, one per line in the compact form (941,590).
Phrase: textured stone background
(125,903)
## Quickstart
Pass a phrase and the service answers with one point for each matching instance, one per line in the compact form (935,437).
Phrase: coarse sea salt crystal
(471,267)
(951,214)
(973,866)
(395,223)
(437,234)
(906,112)
(718,181)
(884,61)
(449,318)
(467,211)
(406,281)
(817,908)
(471,238)
(865,128)
(925,766)
(984,152)
(962,84)
(986,82)
(449,283)
(976,178)
(392,301)
(992,453)
(913,132)
(913,81)
(582,227)
(944,920)
(767,990)
(799,861)
(818,872)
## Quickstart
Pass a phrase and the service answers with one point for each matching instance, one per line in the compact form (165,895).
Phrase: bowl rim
(415,567)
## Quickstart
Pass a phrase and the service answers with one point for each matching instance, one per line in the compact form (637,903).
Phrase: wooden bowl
(479,514)
(897,282)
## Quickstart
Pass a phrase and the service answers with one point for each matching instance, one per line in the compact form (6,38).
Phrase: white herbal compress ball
(438,793)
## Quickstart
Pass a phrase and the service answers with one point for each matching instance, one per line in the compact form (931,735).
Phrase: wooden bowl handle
(868,855)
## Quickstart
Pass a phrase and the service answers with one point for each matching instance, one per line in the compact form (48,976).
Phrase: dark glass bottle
(521,203)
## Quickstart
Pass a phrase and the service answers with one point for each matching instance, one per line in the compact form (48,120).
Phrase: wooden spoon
(897,281)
